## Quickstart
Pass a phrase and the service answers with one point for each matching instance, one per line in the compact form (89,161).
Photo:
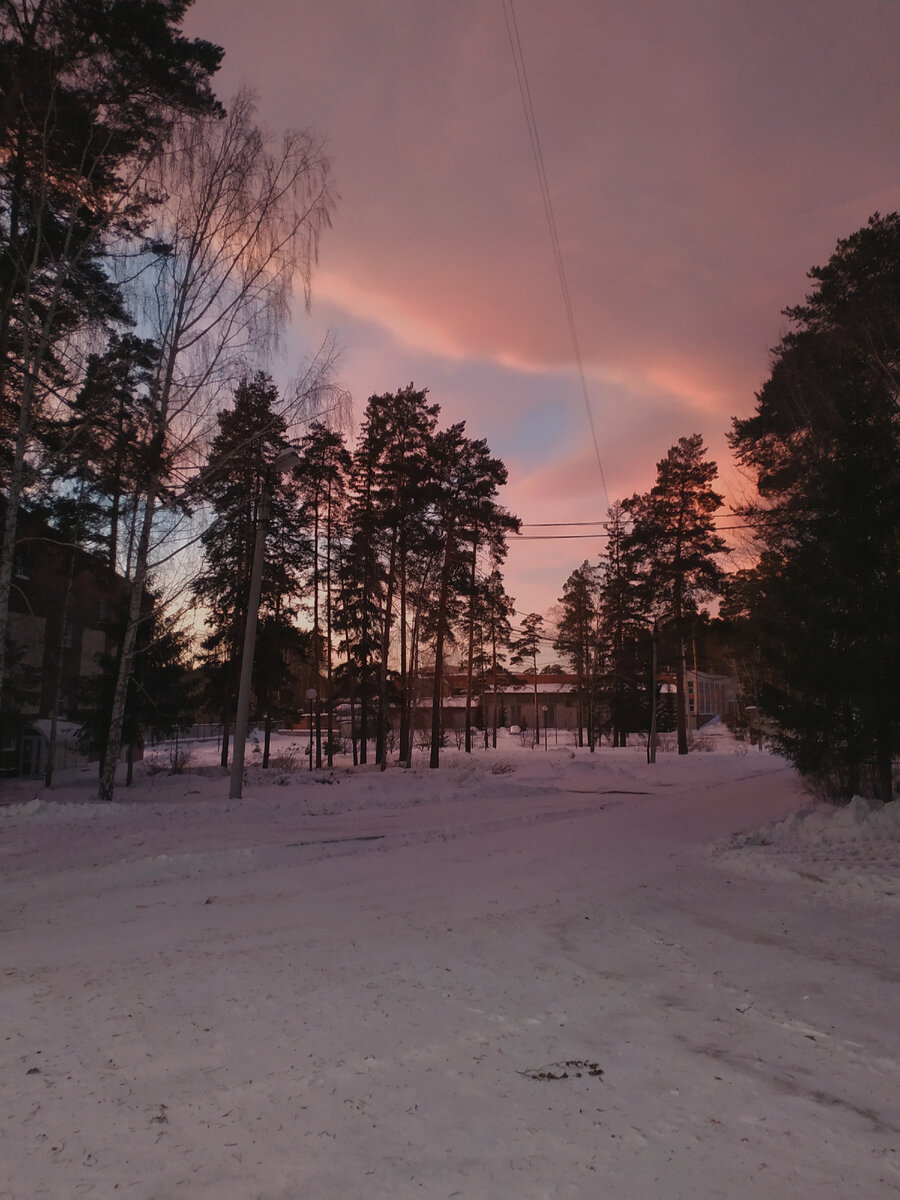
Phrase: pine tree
(497,608)
(362,586)
(624,629)
(397,438)
(526,648)
(103,442)
(577,639)
(675,548)
(467,514)
(160,702)
(251,436)
(322,478)
(824,445)
(89,95)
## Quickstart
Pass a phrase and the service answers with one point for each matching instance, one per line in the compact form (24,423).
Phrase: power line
(755,525)
(512,29)
(556,537)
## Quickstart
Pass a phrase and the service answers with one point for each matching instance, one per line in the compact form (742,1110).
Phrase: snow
(531,974)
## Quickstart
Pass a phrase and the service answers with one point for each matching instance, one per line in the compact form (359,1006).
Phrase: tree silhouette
(674,546)
(824,446)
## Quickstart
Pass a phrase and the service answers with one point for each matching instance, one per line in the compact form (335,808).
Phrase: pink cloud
(700,157)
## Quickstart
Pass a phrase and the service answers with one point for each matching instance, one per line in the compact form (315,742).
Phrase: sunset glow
(700,159)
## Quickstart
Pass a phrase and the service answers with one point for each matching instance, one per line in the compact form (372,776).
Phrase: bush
(502,766)
(422,740)
(176,762)
(289,759)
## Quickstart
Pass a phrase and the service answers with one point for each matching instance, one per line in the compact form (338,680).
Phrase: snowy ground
(578,976)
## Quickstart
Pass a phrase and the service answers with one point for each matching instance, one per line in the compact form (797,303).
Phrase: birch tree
(239,230)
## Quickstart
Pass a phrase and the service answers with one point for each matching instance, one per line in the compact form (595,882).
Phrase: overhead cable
(512,29)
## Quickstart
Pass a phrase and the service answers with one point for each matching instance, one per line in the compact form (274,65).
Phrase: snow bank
(854,849)
(551,979)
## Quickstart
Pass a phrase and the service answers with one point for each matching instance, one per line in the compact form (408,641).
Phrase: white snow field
(573,976)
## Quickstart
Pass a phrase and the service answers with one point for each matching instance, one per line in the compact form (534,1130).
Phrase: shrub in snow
(175,762)
(289,759)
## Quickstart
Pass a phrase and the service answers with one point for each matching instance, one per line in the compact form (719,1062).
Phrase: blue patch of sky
(524,414)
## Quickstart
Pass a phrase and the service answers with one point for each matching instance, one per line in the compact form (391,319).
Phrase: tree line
(150,243)
(151,240)
(812,627)
(391,553)
(661,562)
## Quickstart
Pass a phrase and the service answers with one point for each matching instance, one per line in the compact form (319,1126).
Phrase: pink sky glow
(701,156)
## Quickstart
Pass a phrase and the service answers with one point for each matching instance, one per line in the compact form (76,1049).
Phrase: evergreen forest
(154,242)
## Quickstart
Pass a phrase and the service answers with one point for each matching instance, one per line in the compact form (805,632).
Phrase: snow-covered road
(353,989)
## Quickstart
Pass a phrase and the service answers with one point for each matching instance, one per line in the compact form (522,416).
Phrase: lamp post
(545,728)
(311,695)
(285,460)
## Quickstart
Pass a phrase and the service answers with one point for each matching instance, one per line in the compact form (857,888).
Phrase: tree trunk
(226,732)
(57,685)
(404,664)
(681,722)
(438,690)
(536,735)
(126,658)
(471,656)
(496,713)
(381,731)
(267,741)
(329,690)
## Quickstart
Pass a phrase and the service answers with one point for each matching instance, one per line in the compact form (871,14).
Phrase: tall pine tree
(239,470)
(824,446)
(675,548)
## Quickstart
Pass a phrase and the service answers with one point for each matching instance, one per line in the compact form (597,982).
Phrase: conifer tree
(824,446)
(674,546)
(525,649)
(103,442)
(467,513)
(577,639)
(362,586)
(89,95)
(397,437)
(497,607)
(623,626)
(322,479)
(251,436)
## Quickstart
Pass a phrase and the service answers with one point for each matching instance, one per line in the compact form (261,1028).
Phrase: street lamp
(545,727)
(311,695)
(285,461)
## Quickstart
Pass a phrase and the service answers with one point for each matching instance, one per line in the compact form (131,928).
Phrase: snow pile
(853,849)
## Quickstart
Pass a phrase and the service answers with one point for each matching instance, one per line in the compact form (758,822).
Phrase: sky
(701,156)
